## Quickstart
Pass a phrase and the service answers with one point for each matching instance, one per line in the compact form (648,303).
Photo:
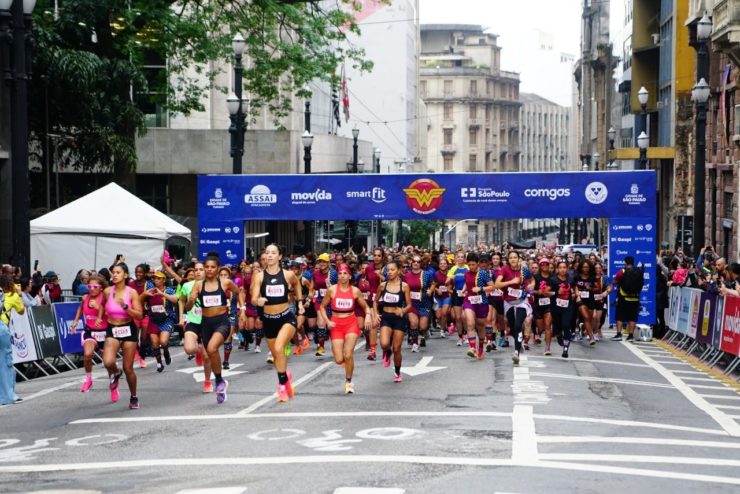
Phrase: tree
(419,232)
(90,54)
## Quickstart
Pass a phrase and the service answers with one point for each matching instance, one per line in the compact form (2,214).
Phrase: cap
(324,257)
(544,260)
(160,274)
(299,260)
(50,274)
(345,268)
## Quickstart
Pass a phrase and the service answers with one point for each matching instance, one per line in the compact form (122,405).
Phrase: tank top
(157,309)
(441,279)
(366,289)
(584,288)
(319,283)
(274,288)
(514,292)
(415,281)
(563,290)
(343,301)
(113,309)
(496,294)
(91,314)
(480,279)
(216,298)
(392,299)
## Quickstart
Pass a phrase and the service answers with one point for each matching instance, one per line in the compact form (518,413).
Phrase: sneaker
(297,350)
(349,388)
(597,337)
(548,353)
(459,342)
(133,403)
(87,385)
(225,364)
(386,359)
(257,349)
(565,352)
(591,341)
(515,358)
(221,391)
(505,344)
(526,346)
(291,388)
(142,365)
(397,378)
(423,342)
(442,334)
(489,347)
(160,367)
(414,348)
(167,357)
(471,353)
(371,356)
(479,356)
(191,357)
(630,337)
(320,351)
(282,393)
(305,343)
(451,329)
(537,340)
(208,386)
(270,359)
(198,359)
(288,350)
(114,386)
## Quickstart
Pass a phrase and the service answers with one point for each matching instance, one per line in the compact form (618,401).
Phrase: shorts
(193,328)
(457,301)
(124,332)
(589,303)
(480,310)
(273,323)
(498,305)
(212,325)
(441,302)
(310,312)
(419,310)
(396,323)
(97,336)
(539,311)
(627,311)
(344,326)
(155,327)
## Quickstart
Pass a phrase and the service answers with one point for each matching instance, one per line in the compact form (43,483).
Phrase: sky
(519,24)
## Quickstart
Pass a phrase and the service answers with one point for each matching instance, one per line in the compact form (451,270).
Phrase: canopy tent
(91,231)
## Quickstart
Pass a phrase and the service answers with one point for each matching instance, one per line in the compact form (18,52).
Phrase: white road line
(215,490)
(721,397)
(659,441)
(602,379)
(368,490)
(704,379)
(524,437)
(578,359)
(720,417)
(720,387)
(630,423)
(729,407)
(637,459)
(670,362)
(271,399)
(692,372)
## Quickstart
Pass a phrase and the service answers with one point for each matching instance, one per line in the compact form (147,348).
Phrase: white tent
(91,231)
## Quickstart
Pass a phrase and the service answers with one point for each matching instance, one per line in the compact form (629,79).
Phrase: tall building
(472,112)
(546,147)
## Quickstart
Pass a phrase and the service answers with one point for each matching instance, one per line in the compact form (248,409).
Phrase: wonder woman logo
(424,196)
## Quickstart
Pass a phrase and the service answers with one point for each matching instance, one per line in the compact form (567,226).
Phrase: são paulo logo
(260,196)
(218,201)
(596,192)
(424,196)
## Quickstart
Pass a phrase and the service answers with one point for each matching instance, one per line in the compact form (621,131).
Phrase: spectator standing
(51,292)
(30,298)
(9,300)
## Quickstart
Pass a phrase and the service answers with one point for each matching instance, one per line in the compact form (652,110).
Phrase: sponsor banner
(674,303)
(707,308)
(634,237)
(718,319)
(24,346)
(694,309)
(730,342)
(44,330)
(684,310)
(224,198)
(64,315)
(227,239)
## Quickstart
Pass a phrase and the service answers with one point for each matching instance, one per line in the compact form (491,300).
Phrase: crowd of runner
(486,300)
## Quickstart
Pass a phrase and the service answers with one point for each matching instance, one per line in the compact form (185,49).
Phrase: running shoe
(133,403)
(423,342)
(386,359)
(199,359)
(305,343)
(451,329)
(591,341)
(617,337)
(288,349)
(191,357)
(320,351)
(221,391)
(505,343)
(397,378)
(548,353)
(565,352)
(515,358)
(349,388)
(270,359)
(208,386)
(257,349)
(160,367)
(537,340)
(526,346)
(291,388)
(371,356)
(297,350)
(114,386)
(630,337)
(87,385)
(489,347)
(142,364)
(167,357)
(460,342)
(415,348)
(597,337)
(471,353)
(225,364)
(499,342)
(282,393)
(479,356)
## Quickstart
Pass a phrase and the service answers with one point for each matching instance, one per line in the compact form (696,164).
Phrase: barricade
(706,325)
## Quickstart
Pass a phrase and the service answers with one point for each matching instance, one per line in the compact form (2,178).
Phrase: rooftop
(466,28)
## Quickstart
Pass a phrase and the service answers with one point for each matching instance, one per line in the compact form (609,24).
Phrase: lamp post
(597,157)
(235,104)
(16,40)
(612,135)
(700,95)
(642,142)
(307,141)
(642,97)
(355,135)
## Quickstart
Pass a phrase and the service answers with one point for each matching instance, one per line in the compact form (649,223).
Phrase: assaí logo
(260,196)
(310,197)
(218,201)
(551,194)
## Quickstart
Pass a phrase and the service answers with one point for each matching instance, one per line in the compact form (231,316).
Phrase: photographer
(729,287)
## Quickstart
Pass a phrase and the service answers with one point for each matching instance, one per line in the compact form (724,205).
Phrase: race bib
(598,296)
(344,303)
(211,300)
(584,295)
(415,295)
(497,293)
(475,299)
(443,289)
(99,336)
(122,332)
(366,295)
(197,311)
(563,302)
(275,290)
(391,298)
(322,292)
(157,309)
(461,293)
(544,301)
(515,292)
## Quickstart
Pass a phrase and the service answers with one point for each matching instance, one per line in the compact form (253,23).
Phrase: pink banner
(730,342)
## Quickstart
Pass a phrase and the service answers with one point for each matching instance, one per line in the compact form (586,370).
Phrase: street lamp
(642,97)
(16,41)
(307,140)
(700,95)
(236,106)
(376,160)
(355,135)
(597,157)
(642,142)
(612,135)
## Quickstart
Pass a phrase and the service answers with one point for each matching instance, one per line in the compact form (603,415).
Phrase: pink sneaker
(451,329)
(114,386)
(397,378)
(282,392)
(87,385)
(142,364)
(386,359)
(291,389)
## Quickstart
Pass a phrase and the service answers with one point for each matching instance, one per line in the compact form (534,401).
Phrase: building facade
(472,111)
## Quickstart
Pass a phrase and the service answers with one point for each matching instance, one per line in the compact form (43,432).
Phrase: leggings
(562,323)
(515,317)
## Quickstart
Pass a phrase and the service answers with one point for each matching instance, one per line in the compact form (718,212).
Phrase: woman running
(122,307)
(602,288)
(562,315)
(515,280)
(475,305)
(92,310)
(442,296)
(215,325)
(161,305)
(496,301)
(140,283)
(343,327)
(191,320)
(361,314)
(543,302)
(270,292)
(224,274)
(456,284)
(394,297)
(322,278)
(420,284)
(374,275)
(585,302)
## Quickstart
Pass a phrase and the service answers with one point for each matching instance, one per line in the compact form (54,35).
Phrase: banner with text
(731,326)
(45,332)
(707,311)
(64,316)
(24,346)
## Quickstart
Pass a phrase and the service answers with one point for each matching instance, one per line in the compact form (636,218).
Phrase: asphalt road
(618,417)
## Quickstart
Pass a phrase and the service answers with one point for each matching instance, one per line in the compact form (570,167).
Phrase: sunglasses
(92,287)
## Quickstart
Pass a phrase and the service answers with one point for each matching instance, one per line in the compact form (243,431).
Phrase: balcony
(503,149)
(490,148)
(726,30)
(475,123)
(448,124)
(448,94)
(448,149)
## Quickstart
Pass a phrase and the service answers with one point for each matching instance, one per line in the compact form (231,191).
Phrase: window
(488,113)
(473,111)
(448,88)
(473,138)
(151,101)
(447,111)
(728,205)
(423,89)
(473,160)
(447,137)
(447,163)
(473,87)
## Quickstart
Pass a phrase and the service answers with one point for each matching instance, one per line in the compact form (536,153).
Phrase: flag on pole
(335,105)
(345,96)
(723,109)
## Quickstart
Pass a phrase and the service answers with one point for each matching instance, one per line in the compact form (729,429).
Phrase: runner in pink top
(95,328)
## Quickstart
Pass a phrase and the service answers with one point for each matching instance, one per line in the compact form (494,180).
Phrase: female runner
(161,305)
(456,284)
(475,305)
(322,278)
(191,320)
(442,296)
(562,315)
(395,298)
(420,284)
(515,281)
(602,288)
(585,297)
(95,329)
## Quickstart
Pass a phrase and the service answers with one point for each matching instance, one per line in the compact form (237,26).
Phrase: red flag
(345,96)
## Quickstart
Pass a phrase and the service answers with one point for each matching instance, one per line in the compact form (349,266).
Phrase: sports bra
(216,298)
(392,299)
(343,301)
(274,288)
(113,309)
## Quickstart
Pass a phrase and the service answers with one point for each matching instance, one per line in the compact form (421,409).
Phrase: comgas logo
(551,194)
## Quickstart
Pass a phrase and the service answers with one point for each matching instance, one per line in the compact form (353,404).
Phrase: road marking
(729,407)
(602,379)
(637,459)
(597,361)
(524,437)
(421,367)
(368,490)
(692,372)
(669,362)
(630,423)
(527,392)
(636,440)
(215,490)
(720,387)
(721,397)
(271,399)
(720,417)
(199,375)
(704,379)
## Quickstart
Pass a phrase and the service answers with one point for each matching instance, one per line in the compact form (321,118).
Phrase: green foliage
(88,62)
(419,232)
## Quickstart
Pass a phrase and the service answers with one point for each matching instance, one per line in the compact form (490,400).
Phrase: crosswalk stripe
(215,490)
(368,490)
